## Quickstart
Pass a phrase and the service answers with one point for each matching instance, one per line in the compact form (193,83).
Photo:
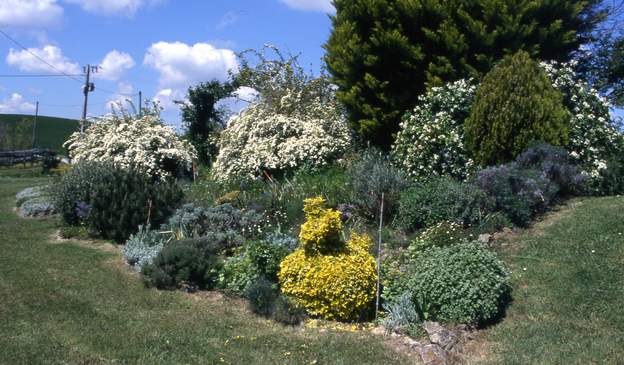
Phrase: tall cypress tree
(382,54)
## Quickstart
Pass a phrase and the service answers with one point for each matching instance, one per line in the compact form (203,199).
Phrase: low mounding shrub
(442,234)
(329,278)
(143,247)
(555,164)
(371,175)
(262,294)
(30,193)
(258,259)
(515,105)
(266,300)
(441,199)
(520,194)
(195,221)
(463,283)
(114,201)
(193,262)
(37,207)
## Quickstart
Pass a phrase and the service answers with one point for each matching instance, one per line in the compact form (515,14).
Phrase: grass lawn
(71,303)
(568,290)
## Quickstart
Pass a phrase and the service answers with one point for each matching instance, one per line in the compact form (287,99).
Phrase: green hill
(51,132)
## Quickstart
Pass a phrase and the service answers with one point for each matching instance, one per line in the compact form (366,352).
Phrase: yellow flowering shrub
(331,279)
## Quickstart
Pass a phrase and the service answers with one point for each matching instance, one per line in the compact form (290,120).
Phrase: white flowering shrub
(295,122)
(594,137)
(431,137)
(126,140)
(259,141)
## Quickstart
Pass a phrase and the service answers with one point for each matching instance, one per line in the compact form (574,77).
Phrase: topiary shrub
(142,247)
(329,278)
(463,283)
(515,105)
(431,139)
(441,199)
(190,261)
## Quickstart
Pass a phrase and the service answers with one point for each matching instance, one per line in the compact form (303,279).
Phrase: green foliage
(113,201)
(202,118)
(193,262)
(611,180)
(371,175)
(463,283)
(520,194)
(383,54)
(441,199)
(441,235)
(256,259)
(51,132)
(401,315)
(515,105)
(262,295)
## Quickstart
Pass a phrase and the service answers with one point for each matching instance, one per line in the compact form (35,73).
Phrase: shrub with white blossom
(127,140)
(430,141)
(296,122)
(594,137)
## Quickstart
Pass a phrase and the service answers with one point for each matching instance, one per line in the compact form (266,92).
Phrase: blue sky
(159,47)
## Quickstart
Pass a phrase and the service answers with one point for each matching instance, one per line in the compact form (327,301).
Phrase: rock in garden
(441,336)
(485,238)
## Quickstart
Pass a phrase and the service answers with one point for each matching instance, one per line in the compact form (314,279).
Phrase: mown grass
(568,289)
(67,302)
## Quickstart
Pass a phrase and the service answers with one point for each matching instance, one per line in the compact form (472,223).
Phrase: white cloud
(53,55)
(113,7)
(30,13)
(121,98)
(324,6)
(181,65)
(16,104)
(114,65)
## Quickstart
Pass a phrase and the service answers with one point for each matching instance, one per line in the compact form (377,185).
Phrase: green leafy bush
(463,283)
(114,201)
(515,105)
(441,199)
(442,234)
(371,175)
(191,261)
(401,314)
(520,194)
(257,259)
(262,295)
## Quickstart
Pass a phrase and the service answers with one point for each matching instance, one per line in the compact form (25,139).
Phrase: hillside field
(51,132)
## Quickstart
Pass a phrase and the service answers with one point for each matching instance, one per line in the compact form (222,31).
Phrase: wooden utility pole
(140,104)
(86,89)
(34,136)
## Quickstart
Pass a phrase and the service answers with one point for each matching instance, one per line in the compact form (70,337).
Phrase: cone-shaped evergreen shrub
(515,105)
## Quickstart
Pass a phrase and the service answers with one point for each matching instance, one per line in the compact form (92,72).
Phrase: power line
(37,56)
(42,75)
